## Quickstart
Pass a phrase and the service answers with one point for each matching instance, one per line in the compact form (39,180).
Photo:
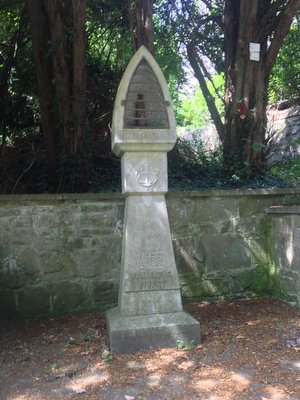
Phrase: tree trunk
(40,35)
(144,24)
(67,27)
(210,101)
(247,22)
(61,81)
(245,91)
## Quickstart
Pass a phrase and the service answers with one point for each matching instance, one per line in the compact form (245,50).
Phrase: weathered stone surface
(252,226)
(43,244)
(289,289)
(8,307)
(181,213)
(104,257)
(212,288)
(285,250)
(151,302)
(224,209)
(225,252)
(11,272)
(258,253)
(142,173)
(93,251)
(255,280)
(147,332)
(60,266)
(252,206)
(189,256)
(148,264)
(33,300)
(105,294)
(69,297)
(149,313)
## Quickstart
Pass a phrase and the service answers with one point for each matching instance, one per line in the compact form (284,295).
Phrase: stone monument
(149,314)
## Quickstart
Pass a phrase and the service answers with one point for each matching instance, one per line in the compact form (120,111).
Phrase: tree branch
(208,76)
(272,10)
(206,93)
(281,31)
(269,20)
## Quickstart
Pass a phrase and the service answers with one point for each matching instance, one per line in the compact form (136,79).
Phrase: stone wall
(285,250)
(283,132)
(62,253)
(223,242)
(59,254)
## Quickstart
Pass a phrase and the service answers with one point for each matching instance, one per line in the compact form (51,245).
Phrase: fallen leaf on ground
(77,390)
(252,323)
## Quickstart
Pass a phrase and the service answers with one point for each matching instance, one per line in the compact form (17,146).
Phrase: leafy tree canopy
(285,78)
(187,34)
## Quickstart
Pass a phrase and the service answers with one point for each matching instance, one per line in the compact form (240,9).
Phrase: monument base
(149,332)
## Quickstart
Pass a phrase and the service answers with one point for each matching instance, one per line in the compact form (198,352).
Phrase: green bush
(288,171)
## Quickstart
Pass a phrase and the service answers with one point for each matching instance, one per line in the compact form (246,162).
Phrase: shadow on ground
(249,351)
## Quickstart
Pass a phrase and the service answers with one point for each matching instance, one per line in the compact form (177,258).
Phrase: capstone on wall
(62,253)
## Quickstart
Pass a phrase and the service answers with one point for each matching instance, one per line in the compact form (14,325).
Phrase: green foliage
(18,99)
(193,163)
(185,346)
(106,356)
(107,25)
(285,77)
(55,368)
(192,110)
(168,54)
(288,171)
(90,334)
(109,49)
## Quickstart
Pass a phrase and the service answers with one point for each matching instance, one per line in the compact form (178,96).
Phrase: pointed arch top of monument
(143,112)
(144,53)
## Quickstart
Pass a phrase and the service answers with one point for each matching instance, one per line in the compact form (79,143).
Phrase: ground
(249,350)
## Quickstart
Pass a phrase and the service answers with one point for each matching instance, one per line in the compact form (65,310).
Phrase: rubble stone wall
(61,253)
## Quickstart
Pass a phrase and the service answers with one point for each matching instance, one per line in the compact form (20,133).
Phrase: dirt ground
(250,350)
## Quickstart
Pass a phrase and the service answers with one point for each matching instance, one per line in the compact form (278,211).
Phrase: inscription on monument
(158,134)
(150,280)
(150,258)
(132,135)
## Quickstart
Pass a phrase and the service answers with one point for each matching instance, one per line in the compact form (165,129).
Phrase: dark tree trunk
(44,72)
(144,24)
(248,22)
(67,27)
(60,70)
